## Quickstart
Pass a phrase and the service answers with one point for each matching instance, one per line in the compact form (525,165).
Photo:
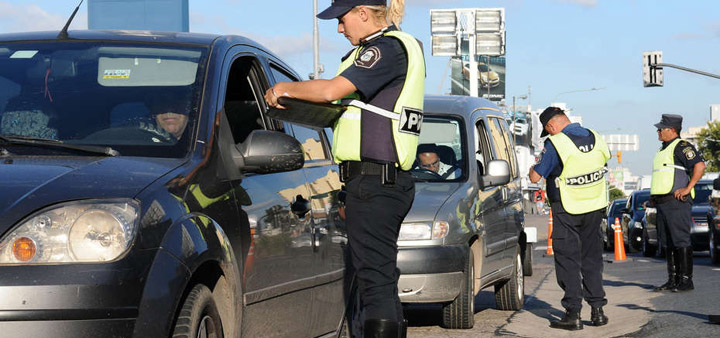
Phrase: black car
(607,226)
(632,220)
(112,225)
(702,217)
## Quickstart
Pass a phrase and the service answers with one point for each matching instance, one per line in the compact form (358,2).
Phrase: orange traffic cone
(619,245)
(550,251)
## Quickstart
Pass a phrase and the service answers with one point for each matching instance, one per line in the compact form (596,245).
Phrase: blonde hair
(392,15)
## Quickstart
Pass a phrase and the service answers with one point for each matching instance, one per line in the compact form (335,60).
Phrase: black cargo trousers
(374,213)
(577,244)
(673,223)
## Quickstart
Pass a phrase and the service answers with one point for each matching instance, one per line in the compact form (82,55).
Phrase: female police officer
(375,141)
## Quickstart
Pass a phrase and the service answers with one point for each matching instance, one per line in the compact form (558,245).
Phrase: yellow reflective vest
(664,179)
(582,181)
(406,116)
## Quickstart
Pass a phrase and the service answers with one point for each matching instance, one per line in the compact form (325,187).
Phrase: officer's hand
(272,99)
(681,194)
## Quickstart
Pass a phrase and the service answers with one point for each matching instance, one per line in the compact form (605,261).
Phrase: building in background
(157,15)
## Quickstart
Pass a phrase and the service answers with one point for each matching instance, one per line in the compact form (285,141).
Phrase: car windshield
(640,199)
(440,150)
(702,193)
(139,99)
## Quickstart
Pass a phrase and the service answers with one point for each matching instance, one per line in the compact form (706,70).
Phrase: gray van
(465,230)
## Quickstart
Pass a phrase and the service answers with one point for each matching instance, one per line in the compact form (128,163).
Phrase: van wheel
(510,295)
(527,260)
(199,317)
(460,313)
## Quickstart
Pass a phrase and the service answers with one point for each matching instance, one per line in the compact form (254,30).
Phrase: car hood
(700,209)
(429,198)
(29,184)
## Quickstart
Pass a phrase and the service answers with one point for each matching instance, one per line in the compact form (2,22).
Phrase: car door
(326,233)
(277,254)
(489,209)
(513,192)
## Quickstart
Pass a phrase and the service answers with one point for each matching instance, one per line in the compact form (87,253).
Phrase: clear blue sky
(554,46)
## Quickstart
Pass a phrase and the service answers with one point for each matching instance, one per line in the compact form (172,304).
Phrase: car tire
(199,316)
(648,249)
(510,295)
(631,248)
(712,242)
(460,313)
(527,260)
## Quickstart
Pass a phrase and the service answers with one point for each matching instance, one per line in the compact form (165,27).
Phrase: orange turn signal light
(24,249)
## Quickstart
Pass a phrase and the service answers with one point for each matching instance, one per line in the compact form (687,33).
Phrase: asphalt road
(633,308)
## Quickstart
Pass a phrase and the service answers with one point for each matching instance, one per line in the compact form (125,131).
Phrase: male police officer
(574,167)
(677,167)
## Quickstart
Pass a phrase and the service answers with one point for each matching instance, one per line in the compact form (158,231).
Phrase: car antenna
(64,32)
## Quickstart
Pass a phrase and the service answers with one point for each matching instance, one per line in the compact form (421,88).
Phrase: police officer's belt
(349,169)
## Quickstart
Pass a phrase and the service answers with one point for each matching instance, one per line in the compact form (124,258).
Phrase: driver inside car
(169,114)
(428,159)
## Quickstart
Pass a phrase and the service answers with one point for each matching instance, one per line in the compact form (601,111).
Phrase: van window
(503,148)
(483,154)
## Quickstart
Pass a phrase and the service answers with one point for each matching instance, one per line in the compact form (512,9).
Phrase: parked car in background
(632,219)
(466,233)
(112,226)
(714,226)
(702,216)
(607,226)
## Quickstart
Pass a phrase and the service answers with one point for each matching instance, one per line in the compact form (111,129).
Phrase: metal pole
(316,43)
(472,50)
(660,65)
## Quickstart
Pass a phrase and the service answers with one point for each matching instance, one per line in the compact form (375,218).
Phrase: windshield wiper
(41,142)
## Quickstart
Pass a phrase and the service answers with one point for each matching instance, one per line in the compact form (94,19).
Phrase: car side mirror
(265,152)
(497,173)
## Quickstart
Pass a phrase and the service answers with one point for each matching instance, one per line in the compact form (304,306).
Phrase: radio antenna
(64,32)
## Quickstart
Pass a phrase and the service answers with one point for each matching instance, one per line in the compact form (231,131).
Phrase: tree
(709,145)
(615,193)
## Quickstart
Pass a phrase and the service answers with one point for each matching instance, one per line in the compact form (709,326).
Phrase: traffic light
(619,156)
(652,75)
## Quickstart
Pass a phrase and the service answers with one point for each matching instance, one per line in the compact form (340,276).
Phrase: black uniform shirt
(378,73)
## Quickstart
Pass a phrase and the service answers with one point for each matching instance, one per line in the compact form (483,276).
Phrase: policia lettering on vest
(677,167)
(573,164)
(382,81)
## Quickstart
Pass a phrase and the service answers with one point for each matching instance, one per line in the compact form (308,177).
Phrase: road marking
(643,260)
(541,247)
(716,269)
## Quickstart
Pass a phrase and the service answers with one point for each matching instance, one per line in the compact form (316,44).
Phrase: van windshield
(140,99)
(440,150)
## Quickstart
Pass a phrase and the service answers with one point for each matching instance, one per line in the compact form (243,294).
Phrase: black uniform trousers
(374,213)
(673,223)
(577,244)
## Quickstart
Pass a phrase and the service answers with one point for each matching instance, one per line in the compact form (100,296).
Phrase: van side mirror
(265,152)
(497,173)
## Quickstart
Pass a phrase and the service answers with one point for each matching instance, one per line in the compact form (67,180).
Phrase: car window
(503,148)
(140,99)
(440,142)
(243,98)
(483,154)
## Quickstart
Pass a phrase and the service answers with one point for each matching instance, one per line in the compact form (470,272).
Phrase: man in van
(573,164)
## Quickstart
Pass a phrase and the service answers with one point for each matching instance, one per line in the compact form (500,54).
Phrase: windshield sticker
(116,74)
(23,54)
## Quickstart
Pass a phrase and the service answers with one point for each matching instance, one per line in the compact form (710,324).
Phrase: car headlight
(638,225)
(80,231)
(423,231)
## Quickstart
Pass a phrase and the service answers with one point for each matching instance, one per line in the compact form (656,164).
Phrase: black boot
(672,268)
(598,317)
(685,270)
(382,328)
(570,321)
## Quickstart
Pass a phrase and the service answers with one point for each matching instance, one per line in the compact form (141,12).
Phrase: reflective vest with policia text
(406,116)
(582,181)
(664,179)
